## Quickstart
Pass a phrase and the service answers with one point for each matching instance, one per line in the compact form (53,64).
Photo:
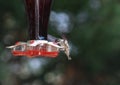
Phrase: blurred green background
(93,30)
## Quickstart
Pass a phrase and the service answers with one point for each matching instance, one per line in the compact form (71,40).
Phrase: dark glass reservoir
(38,12)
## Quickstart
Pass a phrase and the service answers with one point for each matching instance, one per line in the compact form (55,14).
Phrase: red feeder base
(36,49)
(32,54)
